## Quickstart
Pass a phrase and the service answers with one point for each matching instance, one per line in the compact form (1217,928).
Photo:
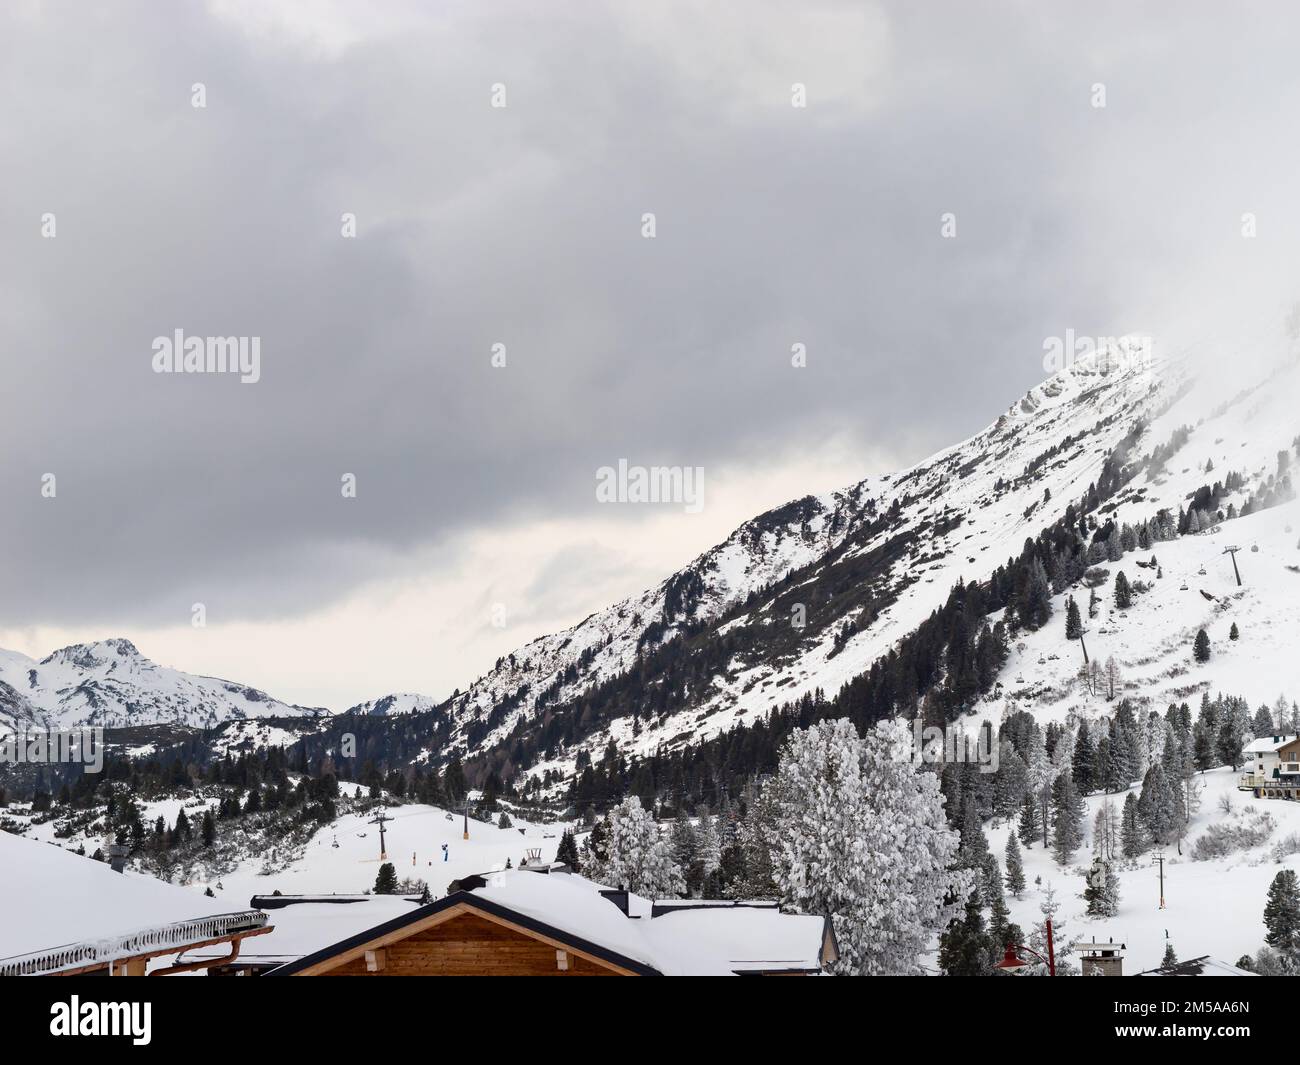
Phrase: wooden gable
(461,940)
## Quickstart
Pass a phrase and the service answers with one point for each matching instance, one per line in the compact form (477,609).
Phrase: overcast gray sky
(775,225)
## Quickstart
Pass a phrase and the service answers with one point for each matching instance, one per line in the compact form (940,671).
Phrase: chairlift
(1183,587)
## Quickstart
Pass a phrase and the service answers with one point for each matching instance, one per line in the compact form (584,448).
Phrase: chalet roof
(304,927)
(1202,966)
(66,911)
(667,938)
(1268,744)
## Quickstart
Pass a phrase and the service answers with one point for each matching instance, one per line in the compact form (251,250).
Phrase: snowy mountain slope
(110,684)
(397,703)
(867,565)
(414,836)
(1151,641)
(899,541)
(1211,907)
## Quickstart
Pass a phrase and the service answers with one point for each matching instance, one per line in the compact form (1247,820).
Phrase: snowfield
(1151,641)
(1213,907)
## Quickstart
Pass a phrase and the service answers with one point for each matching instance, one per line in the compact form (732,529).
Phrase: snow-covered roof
(54,901)
(306,927)
(1267,744)
(1203,966)
(705,940)
(712,941)
(679,937)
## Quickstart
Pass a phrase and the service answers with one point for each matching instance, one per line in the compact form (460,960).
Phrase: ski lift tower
(1233,552)
(380,819)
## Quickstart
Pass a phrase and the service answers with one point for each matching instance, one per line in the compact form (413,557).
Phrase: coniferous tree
(1282,913)
(1029,827)
(386,881)
(965,948)
(1123,593)
(1201,647)
(640,860)
(1015,867)
(567,852)
(1132,831)
(1067,819)
(974,845)
(1102,892)
(1234,633)
(1159,805)
(1073,622)
(1036,597)
(1170,957)
(1082,762)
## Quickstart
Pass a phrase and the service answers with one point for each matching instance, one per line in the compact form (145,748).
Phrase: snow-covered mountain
(109,684)
(807,596)
(395,704)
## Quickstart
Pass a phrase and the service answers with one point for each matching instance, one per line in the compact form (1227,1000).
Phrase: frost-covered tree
(1106,832)
(640,859)
(683,841)
(1102,892)
(862,837)
(709,843)
(1063,946)
(1041,775)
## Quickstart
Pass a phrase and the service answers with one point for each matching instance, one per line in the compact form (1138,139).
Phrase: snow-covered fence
(162,939)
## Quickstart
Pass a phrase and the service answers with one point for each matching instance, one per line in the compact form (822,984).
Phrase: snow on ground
(1152,641)
(414,838)
(1211,908)
(50,897)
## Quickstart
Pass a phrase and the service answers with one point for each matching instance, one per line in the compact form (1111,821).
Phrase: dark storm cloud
(522,226)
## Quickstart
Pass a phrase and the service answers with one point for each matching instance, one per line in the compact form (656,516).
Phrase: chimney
(618,898)
(117,856)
